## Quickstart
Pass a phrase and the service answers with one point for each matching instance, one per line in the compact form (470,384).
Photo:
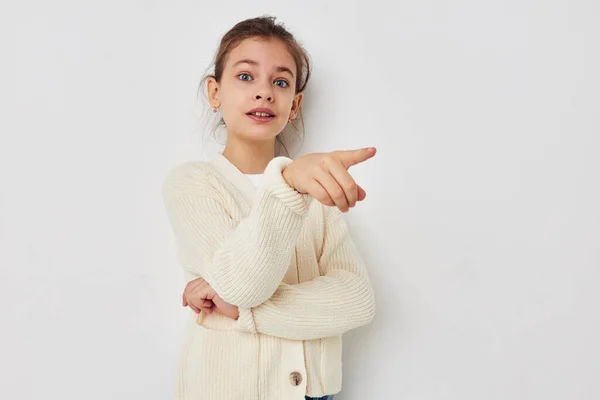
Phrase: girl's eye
(285,84)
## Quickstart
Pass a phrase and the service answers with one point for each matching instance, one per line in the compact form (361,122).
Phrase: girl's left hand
(200,296)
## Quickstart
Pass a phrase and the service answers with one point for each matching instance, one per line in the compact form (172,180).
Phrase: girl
(274,278)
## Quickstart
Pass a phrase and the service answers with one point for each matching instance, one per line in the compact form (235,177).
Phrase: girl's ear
(212,88)
(296,105)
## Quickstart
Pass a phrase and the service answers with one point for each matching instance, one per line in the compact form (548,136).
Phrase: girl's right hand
(325,176)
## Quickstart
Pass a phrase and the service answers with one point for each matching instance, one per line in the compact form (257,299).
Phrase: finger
(353,157)
(346,182)
(319,193)
(361,193)
(333,189)
(202,304)
(196,309)
(206,310)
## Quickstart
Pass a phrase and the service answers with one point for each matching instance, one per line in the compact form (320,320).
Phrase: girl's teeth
(259,114)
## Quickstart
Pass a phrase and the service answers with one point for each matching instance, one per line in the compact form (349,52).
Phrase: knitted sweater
(290,265)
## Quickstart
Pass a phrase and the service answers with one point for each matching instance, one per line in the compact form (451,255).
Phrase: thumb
(353,157)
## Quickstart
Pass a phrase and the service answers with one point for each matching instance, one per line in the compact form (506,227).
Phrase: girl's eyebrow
(279,68)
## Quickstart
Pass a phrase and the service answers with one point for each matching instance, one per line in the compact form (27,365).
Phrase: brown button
(296,378)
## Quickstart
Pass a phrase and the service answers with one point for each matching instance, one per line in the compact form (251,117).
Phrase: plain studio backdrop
(481,226)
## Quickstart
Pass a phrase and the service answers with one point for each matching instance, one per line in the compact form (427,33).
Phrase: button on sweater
(290,265)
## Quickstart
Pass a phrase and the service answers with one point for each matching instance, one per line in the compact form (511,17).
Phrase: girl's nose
(264,91)
(268,98)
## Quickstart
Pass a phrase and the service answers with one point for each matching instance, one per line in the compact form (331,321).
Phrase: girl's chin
(264,128)
(260,132)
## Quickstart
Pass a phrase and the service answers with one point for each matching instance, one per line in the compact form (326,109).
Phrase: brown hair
(263,27)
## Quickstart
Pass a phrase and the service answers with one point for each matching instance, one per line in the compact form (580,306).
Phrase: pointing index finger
(353,157)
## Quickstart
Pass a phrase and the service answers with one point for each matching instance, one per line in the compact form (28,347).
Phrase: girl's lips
(260,119)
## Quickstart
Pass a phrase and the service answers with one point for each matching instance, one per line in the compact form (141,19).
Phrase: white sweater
(290,265)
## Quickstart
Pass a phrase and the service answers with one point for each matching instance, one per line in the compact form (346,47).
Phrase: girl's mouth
(261,117)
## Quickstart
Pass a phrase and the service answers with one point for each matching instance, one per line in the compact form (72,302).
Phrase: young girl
(274,278)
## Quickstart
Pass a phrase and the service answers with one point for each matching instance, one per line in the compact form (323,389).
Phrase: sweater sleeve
(246,262)
(340,300)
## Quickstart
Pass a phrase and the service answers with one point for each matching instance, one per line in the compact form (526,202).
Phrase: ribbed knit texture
(290,265)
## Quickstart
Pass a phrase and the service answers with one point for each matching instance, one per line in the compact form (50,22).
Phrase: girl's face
(259,73)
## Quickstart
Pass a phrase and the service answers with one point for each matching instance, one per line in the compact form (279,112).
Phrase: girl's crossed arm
(339,300)
(246,263)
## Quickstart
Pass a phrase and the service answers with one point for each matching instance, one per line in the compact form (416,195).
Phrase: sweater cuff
(245,321)
(274,182)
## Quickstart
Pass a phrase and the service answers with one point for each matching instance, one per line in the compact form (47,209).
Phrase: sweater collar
(235,176)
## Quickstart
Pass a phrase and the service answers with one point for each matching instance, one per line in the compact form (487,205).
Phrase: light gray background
(481,226)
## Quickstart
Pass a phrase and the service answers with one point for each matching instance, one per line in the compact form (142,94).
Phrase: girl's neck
(249,158)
